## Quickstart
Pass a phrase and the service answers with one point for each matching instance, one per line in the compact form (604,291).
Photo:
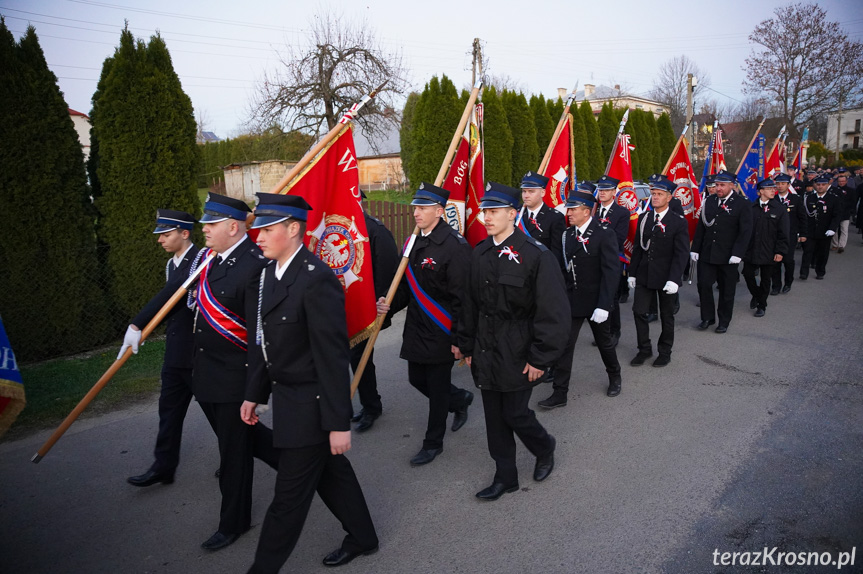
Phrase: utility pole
(477,61)
(691,82)
(839,127)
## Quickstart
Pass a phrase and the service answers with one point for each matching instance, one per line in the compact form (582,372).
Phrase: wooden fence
(397,217)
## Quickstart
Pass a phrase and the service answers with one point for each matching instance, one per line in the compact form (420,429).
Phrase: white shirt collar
(179,258)
(660,214)
(231,249)
(280,270)
(496,242)
(784,196)
(583,228)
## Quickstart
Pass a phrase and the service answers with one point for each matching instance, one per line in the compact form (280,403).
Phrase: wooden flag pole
(316,149)
(558,128)
(112,370)
(617,140)
(749,147)
(370,344)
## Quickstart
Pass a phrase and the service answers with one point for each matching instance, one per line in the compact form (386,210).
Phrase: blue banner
(752,168)
(11,385)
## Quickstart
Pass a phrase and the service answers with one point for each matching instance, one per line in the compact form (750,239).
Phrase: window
(856,126)
(857,141)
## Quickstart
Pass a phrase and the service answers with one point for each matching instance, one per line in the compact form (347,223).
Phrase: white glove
(599,316)
(631,282)
(829,233)
(671,287)
(733,260)
(132,338)
(693,255)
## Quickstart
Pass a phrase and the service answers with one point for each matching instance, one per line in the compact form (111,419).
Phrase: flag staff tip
(379,88)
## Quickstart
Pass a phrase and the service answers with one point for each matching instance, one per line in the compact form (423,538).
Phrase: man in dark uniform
(822,209)
(592,268)
(540,221)
(797,219)
(432,290)
(298,351)
(173,229)
(720,241)
(809,182)
(612,216)
(768,245)
(513,329)
(847,206)
(659,255)
(385,261)
(225,300)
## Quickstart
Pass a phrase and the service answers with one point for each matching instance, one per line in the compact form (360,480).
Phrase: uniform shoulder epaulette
(376,220)
(459,237)
(680,216)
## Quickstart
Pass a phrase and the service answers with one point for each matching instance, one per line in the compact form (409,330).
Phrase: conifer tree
(147,158)
(594,144)
(543,121)
(436,116)
(658,160)
(608,125)
(582,146)
(50,300)
(525,151)
(406,131)
(555,108)
(498,138)
(667,138)
(637,140)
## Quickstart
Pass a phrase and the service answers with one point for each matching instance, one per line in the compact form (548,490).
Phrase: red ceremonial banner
(336,229)
(465,180)
(717,159)
(680,172)
(560,168)
(773,166)
(621,169)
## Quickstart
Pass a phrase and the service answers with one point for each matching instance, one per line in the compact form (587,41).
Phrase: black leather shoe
(495,491)
(557,399)
(759,312)
(219,540)
(774,291)
(151,477)
(786,289)
(356,418)
(639,359)
(662,360)
(705,324)
(819,277)
(460,415)
(722,329)
(365,422)
(425,456)
(544,464)
(753,303)
(651,317)
(340,556)
(613,385)
(803,277)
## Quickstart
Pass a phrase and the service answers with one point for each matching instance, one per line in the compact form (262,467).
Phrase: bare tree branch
(670,87)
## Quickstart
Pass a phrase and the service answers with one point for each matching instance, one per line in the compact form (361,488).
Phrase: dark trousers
(302,471)
(435,382)
(602,336)
(614,319)
(239,444)
(787,265)
(368,385)
(726,276)
(174,399)
(760,291)
(815,250)
(506,415)
(644,299)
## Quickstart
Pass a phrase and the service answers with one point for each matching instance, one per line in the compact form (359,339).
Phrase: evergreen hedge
(525,151)
(498,139)
(598,157)
(436,116)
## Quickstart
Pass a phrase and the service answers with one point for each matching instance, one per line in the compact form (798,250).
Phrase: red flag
(560,168)
(680,172)
(465,180)
(717,158)
(621,169)
(336,228)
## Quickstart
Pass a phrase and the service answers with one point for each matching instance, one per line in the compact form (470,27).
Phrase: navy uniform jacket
(516,312)
(729,234)
(219,372)
(306,369)
(667,250)
(593,270)
(385,258)
(797,219)
(179,336)
(823,214)
(551,225)
(847,200)
(440,263)
(769,233)
(617,219)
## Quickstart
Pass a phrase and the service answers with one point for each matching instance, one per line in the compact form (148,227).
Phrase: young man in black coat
(592,270)
(226,301)
(720,242)
(797,221)
(768,245)
(432,290)
(173,229)
(385,261)
(540,221)
(847,195)
(298,352)
(611,215)
(822,209)
(513,329)
(659,256)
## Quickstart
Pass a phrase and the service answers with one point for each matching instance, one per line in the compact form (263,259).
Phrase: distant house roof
(739,134)
(210,137)
(608,93)
(77,113)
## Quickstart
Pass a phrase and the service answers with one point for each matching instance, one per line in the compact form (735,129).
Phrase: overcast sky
(221,48)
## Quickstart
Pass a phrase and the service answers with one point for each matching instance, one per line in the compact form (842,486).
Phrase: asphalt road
(747,440)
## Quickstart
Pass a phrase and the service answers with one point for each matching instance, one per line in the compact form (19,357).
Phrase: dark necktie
(602,213)
(656,219)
